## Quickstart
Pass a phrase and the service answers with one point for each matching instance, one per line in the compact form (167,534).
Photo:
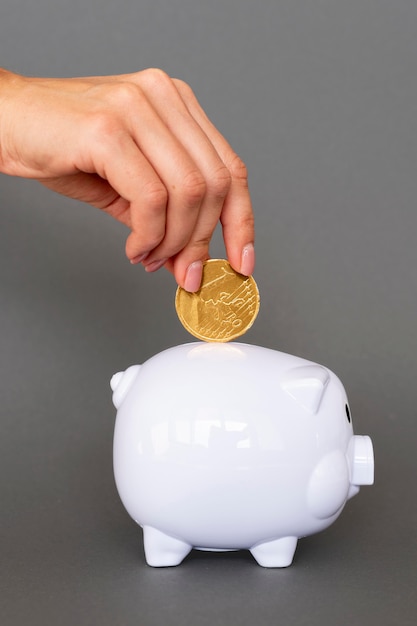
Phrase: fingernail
(193,276)
(155,265)
(248,260)
(139,258)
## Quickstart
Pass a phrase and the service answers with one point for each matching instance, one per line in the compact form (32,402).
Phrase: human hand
(139,147)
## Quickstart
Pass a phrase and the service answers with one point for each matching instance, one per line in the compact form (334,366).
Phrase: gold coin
(224,307)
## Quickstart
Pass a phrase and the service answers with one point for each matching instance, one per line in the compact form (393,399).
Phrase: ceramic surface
(230,446)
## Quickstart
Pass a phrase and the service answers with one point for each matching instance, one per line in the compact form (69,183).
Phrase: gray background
(319,99)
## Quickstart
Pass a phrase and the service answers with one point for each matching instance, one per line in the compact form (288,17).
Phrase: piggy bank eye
(347,413)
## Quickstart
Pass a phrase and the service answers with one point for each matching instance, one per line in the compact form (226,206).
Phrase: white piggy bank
(233,446)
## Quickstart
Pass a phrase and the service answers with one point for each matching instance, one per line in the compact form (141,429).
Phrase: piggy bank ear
(306,384)
(121,383)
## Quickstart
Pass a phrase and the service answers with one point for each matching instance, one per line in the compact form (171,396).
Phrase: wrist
(10,84)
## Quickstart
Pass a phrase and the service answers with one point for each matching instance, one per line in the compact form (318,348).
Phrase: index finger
(237,217)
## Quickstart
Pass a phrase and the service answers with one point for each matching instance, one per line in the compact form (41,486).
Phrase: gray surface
(319,99)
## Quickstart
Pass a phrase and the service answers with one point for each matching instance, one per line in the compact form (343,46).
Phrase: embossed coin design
(224,307)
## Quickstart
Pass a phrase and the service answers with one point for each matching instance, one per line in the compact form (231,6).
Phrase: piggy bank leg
(277,553)
(161,550)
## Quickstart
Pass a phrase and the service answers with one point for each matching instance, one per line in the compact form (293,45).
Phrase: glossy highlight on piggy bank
(233,446)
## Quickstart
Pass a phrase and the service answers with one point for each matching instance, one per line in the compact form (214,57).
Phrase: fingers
(214,174)
(141,148)
(174,175)
(153,172)
(236,214)
(141,198)
(238,222)
(227,195)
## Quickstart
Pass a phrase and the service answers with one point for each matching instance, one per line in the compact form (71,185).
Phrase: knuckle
(149,234)
(124,95)
(238,169)
(193,188)
(248,222)
(155,196)
(183,87)
(220,182)
(243,223)
(110,104)
(153,240)
(155,78)
(201,244)
(101,126)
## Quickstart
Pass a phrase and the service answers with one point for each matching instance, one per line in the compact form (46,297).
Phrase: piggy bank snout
(361,460)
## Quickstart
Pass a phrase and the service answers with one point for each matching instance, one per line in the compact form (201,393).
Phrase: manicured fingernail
(193,276)
(247,264)
(139,258)
(155,265)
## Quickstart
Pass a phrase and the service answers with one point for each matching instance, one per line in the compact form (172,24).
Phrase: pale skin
(139,147)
